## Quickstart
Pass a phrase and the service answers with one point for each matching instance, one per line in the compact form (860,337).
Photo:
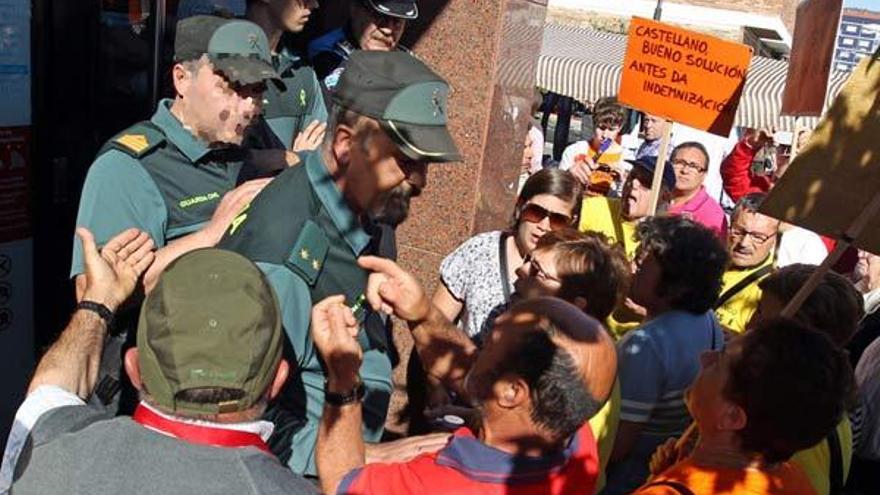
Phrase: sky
(863,4)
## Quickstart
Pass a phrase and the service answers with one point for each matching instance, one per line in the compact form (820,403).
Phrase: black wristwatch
(96,307)
(341,399)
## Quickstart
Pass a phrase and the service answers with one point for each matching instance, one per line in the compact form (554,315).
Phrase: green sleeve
(118,194)
(317,109)
(296,306)
(296,309)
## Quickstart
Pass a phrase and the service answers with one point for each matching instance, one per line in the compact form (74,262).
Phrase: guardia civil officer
(169,176)
(307,229)
(174,176)
(294,115)
(373,25)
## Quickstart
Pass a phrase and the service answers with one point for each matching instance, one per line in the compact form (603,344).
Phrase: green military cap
(212,321)
(405,96)
(237,48)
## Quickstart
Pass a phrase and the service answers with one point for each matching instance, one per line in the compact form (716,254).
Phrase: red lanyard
(203,435)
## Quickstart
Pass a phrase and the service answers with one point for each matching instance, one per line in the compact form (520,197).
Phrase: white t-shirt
(799,245)
(571,151)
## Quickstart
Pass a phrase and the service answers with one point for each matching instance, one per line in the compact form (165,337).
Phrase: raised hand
(230,206)
(392,290)
(112,274)
(334,331)
(310,137)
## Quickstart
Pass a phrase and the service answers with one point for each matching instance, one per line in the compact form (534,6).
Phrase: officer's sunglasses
(533,213)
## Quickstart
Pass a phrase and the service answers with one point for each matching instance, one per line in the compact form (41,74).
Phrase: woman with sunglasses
(479,274)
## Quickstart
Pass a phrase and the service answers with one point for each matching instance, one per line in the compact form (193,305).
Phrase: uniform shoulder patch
(137,140)
(306,259)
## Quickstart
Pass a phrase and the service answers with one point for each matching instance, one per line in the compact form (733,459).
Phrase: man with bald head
(544,370)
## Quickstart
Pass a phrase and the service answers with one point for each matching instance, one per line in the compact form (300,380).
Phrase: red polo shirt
(467,465)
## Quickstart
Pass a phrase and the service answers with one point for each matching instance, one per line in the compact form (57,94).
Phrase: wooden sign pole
(849,236)
(658,171)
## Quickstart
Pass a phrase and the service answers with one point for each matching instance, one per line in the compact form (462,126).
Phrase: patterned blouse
(472,273)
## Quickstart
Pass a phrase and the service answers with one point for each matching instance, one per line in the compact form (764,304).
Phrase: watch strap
(96,307)
(339,399)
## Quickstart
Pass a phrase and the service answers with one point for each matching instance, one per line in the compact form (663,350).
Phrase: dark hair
(555,182)
(691,258)
(794,385)
(608,112)
(834,307)
(590,267)
(749,203)
(688,145)
(561,401)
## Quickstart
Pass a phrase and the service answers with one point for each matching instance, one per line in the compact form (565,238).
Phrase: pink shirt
(704,210)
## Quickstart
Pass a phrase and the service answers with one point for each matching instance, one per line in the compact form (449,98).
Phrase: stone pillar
(488,51)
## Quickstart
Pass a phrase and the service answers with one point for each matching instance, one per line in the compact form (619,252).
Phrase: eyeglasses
(533,213)
(737,233)
(538,271)
(694,166)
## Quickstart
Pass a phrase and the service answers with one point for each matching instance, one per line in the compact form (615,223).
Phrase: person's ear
(580,302)
(511,392)
(133,368)
(343,140)
(281,374)
(182,80)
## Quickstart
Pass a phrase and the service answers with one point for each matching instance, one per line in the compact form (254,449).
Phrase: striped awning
(586,65)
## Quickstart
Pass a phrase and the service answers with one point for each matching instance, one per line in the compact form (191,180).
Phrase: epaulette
(309,252)
(137,140)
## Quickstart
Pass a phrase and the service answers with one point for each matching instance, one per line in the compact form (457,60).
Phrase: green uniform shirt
(306,240)
(288,112)
(158,178)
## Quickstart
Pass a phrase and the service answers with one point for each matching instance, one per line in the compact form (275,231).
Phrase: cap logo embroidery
(254,41)
(437,102)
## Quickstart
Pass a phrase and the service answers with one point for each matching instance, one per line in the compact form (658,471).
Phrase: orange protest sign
(682,75)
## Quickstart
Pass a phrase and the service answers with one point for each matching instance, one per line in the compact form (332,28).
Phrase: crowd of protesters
(235,276)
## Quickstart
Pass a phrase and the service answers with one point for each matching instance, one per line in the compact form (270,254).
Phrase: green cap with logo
(212,321)
(237,48)
(405,96)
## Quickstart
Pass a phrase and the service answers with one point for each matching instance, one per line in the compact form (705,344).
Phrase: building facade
(858,37)
(765,25)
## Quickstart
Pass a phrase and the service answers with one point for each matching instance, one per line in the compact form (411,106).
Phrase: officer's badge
(135,142)
(308,254)
(302,97)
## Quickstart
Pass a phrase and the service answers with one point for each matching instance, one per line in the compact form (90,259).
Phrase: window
(843,54)
(850,28)
(847,41)
(865,44)
(842,67)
